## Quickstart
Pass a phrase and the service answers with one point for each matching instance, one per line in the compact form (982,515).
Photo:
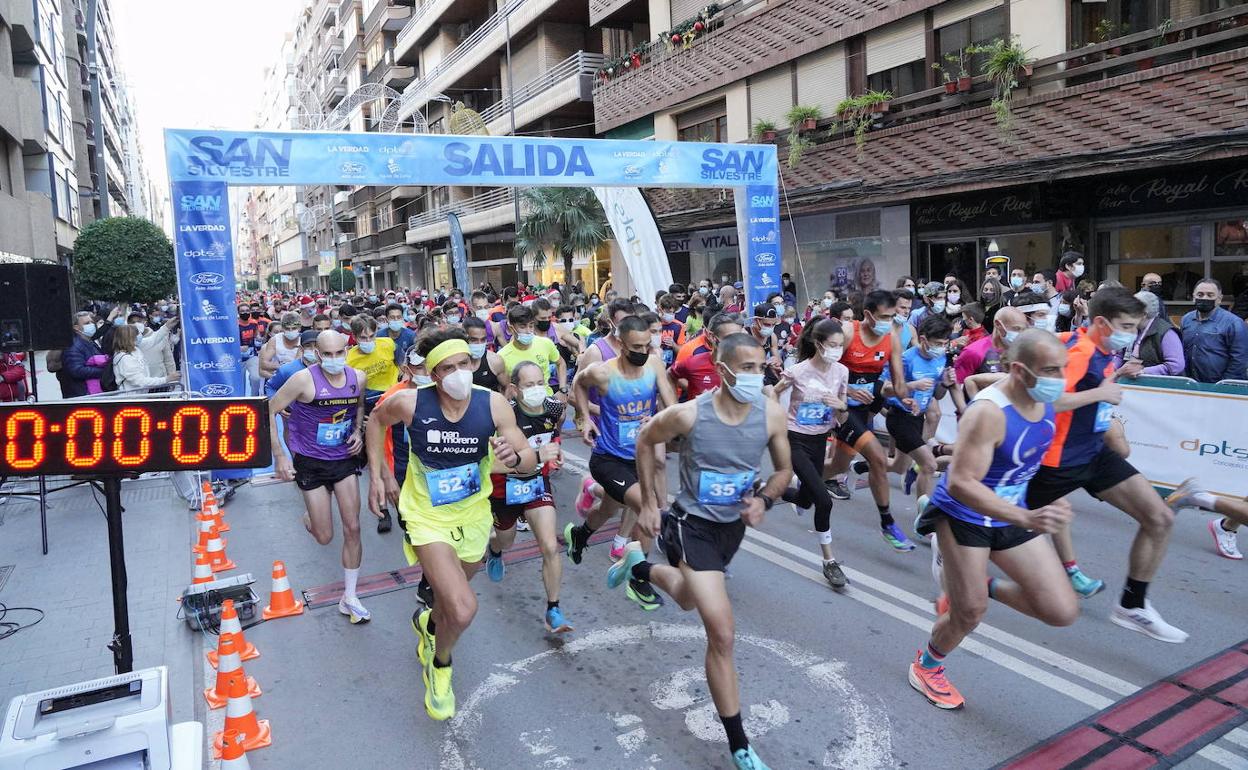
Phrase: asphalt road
(823,674)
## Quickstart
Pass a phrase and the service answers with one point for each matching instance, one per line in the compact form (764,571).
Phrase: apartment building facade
(1123,137)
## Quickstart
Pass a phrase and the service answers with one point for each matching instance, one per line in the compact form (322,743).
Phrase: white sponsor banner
(639,239)
(1175,433)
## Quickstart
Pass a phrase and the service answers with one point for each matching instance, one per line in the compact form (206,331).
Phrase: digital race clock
(119,436)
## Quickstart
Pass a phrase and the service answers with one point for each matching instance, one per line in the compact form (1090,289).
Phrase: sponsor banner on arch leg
(205,260)
(1177,432)
(758,228)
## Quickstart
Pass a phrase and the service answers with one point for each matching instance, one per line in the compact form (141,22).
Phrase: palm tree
(568,220)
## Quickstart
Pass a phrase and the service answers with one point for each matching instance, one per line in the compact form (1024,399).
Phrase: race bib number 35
(520,491)
(453,484)
(723,488)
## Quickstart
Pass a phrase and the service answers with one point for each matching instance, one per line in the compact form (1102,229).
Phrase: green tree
(341,279)
(251,284)
(567,220)
(275,280)
(124,259)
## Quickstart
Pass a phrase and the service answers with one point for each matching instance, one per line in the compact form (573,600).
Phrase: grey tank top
(719,463)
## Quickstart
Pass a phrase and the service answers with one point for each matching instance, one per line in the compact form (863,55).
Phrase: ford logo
(217,389)
(766,258)
(207,279)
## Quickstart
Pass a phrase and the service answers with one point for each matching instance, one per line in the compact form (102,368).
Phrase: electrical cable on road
(9,627)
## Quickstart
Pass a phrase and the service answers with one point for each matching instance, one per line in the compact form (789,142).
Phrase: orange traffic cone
(216,554)
(203,570)
(233,755)
(230,666)
(206,528)
(231,625)
(241,718)
(282,602)
(211,508)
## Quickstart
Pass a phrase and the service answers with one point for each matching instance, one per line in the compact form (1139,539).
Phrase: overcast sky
(196,63)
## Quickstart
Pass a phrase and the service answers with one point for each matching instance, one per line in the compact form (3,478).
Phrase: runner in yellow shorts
(456,434)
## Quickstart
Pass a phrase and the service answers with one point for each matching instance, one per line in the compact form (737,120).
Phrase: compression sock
(1205,500)
(641,570)
(1071,567)
(618,542)
(350,577)
(551,605)
(886,518)
(736,733)
(932,657)
(1133,594)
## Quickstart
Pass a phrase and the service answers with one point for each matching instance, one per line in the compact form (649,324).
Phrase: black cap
(766,310)
(308,336)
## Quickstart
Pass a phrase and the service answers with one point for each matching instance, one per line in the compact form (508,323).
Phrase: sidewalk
(72,586)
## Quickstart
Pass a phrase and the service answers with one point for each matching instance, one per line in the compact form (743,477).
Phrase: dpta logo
(226,363)
(212,157)
(208,280)
(216,390)
(201,203)
(1205,448)
(732,165)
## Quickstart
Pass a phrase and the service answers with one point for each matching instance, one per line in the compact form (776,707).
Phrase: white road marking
(1056,683)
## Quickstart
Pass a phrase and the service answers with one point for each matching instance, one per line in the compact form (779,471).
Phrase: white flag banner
(635,230)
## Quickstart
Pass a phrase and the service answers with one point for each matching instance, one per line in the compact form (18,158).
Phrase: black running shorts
(313,472)
(975,535)
(1107,469)
(703,544)
(905,428)
(615,474)
(857,423)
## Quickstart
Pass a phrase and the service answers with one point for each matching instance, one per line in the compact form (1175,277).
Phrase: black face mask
(1205,305)
(1155,289)
(543,326)
(637,359)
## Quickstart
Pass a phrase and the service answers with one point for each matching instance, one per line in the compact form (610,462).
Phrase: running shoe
(386,522)
(861,467)
(896,538)
(623,569)
(426,640)
(931,682)
(921,503)
(641,592)
(354,611)
(1147,621)
(494,566)
(576,546)
(912,475)
(424,593)
(838,489)
(1182,497)
(439,697)
(746,759)
(833,573)
(1224,542)
(556,623)
(1085,586)
(585,500)
(522,525)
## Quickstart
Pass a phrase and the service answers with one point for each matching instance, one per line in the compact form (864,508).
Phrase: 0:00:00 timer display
(100,437)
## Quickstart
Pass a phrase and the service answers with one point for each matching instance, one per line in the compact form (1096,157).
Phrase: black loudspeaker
(36,307)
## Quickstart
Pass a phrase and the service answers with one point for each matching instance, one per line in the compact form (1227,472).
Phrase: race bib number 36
(723,488)
(453,484)
(520,491)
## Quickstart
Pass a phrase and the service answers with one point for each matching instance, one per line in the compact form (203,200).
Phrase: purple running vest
(320,427)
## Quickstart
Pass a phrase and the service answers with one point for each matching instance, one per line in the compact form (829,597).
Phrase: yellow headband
(443,351)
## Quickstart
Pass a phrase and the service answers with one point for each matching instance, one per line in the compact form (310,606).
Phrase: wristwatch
(768,502)
(563,389)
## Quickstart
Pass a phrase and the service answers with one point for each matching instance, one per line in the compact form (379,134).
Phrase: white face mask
(765,331)
(1078,271)
(832,355)
(533,396)
(483,314)
(827,302)
(656,340)
(953,297)
(140,327)
(458,384)
(422,379)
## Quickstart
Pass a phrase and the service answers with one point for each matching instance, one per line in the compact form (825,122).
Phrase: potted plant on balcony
(859,113)
(798,145)
(1006,60)
(1103,32)
(960,60)
(1163,37)
(764,131)
(803,119)
(951,87)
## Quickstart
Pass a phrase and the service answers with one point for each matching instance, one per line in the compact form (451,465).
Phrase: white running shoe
(354,611)
(1224,542)
(1147,621)
(1184,495)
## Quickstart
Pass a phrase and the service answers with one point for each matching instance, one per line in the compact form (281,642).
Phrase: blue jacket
(1217,347)
(75,369)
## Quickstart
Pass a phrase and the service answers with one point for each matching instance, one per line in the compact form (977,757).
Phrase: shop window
(1173,252)
(713,130)
(980,29)
(902,80)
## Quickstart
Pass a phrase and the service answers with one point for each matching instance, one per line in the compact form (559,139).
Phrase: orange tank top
(866,363)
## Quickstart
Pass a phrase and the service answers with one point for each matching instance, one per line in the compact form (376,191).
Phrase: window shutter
(701,114)
(771,95)
(899,43)
(821,78)
(948,13)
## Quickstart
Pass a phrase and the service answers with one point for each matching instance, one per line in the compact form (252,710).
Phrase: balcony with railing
(326,13)
(617,13)
(485,41)
(569,81)
(391,15)
(425,13)
(388,73)
(331,45)
(492,208)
